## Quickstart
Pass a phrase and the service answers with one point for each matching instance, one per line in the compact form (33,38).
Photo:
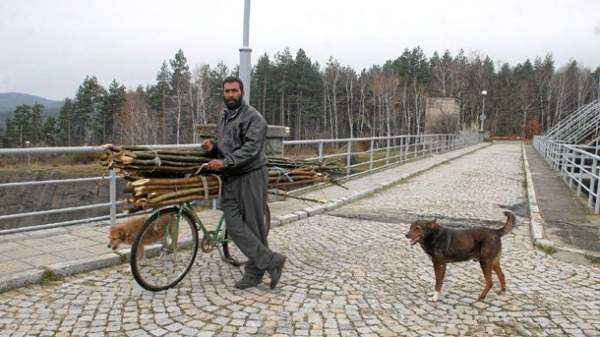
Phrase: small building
(442,115)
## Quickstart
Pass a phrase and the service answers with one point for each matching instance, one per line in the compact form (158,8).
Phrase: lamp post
(482,117)
(245,53)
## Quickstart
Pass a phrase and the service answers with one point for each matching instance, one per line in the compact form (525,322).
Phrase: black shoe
(276,269)
(248,281)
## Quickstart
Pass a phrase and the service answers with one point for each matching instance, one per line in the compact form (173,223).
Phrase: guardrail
(391,150)
(579,165)
(395,149)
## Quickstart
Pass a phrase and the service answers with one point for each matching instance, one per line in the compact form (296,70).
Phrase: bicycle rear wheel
(164,249)
(231,252)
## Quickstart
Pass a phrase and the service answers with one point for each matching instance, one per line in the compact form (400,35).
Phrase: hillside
(10,100)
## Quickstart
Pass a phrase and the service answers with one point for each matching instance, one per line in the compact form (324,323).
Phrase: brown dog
(446,245)
(125,233)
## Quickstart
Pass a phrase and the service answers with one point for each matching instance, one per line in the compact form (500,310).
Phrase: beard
(232,104)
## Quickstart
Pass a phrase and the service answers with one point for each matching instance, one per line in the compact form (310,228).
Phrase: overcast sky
(48,47)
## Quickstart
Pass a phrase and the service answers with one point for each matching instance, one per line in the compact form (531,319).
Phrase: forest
(315,100)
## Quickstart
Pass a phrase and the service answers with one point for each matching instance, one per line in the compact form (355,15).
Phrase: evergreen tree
(113,101)
(65,123)
(180,85)
(88,117)
(50,131)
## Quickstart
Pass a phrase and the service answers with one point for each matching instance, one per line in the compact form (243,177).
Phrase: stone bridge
(350,270)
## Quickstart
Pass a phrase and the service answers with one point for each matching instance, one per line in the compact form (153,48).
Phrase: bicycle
(170,246)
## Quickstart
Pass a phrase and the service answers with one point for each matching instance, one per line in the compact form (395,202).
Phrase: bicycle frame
(213,236)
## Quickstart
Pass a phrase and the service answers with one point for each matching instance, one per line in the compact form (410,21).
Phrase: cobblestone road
(351,273)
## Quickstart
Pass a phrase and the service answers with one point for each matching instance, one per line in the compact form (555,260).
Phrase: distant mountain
(10,100)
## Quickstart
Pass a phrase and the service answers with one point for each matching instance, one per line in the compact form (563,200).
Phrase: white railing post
(387,151)
(571,167)
(593,181)
(320,151)
(371,155)
(597,205)
(349,157)
(402,150)
(580,168)
(112,191)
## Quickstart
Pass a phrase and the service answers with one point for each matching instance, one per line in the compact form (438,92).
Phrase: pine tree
(159,97)
(111,106)
(180,84)
(65,123)
(50,132)
(34,129)
(88,116)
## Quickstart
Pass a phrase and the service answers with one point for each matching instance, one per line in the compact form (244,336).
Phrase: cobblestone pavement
(351,273)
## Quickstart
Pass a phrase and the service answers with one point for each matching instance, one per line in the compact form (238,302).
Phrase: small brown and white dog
(125,233)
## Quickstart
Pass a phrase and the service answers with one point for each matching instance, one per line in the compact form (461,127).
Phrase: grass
(546,248)
(593,259)
(50,278)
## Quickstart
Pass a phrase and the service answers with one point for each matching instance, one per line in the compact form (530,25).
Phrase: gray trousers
(243,203)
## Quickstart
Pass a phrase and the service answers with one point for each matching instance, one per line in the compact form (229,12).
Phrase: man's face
(232,95)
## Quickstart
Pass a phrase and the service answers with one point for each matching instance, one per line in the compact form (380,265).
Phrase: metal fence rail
(581,125)
(579,165)
(393,150)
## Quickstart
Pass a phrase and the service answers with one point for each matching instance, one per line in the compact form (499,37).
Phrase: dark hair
(232,79)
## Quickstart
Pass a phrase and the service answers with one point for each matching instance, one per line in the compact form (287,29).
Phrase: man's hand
(216,164)
(208,145)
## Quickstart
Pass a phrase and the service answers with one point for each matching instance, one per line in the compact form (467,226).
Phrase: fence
(382,152)
(579,165)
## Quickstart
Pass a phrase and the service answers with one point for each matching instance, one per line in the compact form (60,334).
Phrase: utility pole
(245,53)
(482,118)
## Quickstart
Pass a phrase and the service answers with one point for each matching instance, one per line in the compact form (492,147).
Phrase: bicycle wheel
(231,253)
(164,248)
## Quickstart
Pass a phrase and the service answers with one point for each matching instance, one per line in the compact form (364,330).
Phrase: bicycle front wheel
(164,249)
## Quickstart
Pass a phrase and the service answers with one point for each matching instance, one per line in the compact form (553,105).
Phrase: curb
(122,256)
(61,269)
(20,279)
(537,224)
(84,265)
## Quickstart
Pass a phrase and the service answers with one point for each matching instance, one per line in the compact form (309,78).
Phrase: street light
(245,53)
(482,118)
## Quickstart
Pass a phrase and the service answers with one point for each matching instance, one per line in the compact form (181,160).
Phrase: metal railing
(391,150)
(579,126)
(579,165)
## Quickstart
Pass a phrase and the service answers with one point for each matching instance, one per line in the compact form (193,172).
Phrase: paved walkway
(347,275)
(24,257)
(566,220)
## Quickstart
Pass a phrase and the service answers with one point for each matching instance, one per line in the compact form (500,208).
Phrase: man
(240,149)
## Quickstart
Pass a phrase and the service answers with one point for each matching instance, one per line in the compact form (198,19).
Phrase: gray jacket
(241,140)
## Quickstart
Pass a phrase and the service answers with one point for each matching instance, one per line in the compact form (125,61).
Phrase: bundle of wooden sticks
(159,177)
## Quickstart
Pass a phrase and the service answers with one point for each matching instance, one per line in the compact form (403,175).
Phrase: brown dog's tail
(510,221)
